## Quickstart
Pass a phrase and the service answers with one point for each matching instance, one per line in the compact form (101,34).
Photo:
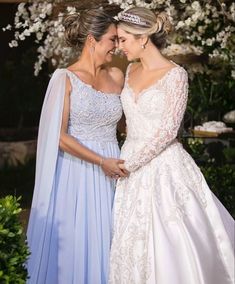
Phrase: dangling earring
(144,44)
(92,49)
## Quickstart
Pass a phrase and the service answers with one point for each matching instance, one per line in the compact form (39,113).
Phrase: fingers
(126,172)
(121,166)
(112,168)
(123,169)
(121,174)
(115,174)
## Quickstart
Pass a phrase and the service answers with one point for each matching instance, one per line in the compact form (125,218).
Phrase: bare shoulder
(117,75)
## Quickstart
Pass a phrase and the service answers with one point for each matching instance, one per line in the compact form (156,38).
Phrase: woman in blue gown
(69,229)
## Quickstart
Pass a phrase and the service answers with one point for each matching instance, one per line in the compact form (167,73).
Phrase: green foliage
(219,176)
(211,94)
(13,249)
(221,181)
(229,154)
(196,147)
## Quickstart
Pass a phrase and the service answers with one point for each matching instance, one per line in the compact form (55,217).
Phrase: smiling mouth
(112,52)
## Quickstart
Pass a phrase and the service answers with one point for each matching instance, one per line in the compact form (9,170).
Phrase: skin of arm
(72,146)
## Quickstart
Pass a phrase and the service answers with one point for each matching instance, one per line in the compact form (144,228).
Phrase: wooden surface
(200,133)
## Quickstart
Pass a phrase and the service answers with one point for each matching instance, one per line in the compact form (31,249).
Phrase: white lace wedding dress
(169,228)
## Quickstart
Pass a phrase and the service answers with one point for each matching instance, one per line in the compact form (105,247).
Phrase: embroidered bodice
(153,119)
(164,214)
(93,114)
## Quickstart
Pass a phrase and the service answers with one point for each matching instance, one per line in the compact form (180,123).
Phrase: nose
(120,46)
(116,43)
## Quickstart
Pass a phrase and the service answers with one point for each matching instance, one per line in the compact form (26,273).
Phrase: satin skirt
(169,228)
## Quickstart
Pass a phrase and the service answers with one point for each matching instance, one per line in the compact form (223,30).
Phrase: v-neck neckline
(135,96)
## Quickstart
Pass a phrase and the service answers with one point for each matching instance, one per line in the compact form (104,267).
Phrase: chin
(130,57)
(109,58)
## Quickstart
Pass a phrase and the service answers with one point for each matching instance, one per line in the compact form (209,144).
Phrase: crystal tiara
(130,18)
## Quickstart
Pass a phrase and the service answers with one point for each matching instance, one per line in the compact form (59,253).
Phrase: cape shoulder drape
(47,151)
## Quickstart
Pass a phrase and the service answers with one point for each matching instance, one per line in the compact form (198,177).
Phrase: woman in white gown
(169,228)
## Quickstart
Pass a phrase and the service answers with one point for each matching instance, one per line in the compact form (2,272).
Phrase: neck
(151,58)
(89,63)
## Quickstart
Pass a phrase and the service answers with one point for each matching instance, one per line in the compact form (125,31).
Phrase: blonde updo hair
(156,25)
(93,22)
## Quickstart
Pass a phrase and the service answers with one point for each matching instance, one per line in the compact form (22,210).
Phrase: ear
(91,40)
(144,39)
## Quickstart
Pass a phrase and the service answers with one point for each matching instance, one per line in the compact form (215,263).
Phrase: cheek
(136,48)
(105,45)
(125,45)
(132,46)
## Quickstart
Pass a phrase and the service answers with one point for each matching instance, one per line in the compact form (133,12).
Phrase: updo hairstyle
(93,22)
(155,25)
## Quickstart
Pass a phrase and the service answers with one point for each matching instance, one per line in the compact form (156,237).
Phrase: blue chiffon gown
(74,245)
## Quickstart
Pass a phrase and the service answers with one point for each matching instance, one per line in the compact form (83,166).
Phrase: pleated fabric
(78,226)
(69,231)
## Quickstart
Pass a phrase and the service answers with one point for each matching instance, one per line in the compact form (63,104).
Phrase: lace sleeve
(176,91)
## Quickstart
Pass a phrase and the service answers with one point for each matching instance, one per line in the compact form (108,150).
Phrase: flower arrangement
(201,27)
(36,18)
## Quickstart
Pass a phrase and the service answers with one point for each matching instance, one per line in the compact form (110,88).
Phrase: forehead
(122,33)
(112,31)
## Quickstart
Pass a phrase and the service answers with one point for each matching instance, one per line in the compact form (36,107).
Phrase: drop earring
(92,49)
(144,44)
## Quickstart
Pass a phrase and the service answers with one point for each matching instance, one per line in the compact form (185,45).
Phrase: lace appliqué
(175,103)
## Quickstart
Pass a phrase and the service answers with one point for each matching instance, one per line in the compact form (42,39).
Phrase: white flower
(193,23)
(53,62)
(180,25)
(188,21)
(209,41)
(21,8)
(71,10)
(13,43)
(196,5)
(7,28)
(233,74)
(39,36)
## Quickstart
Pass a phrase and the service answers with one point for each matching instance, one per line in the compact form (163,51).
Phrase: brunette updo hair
(93,22)
(156,25)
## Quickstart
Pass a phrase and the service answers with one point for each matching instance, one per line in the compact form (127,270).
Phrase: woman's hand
(111,168)
(124,170)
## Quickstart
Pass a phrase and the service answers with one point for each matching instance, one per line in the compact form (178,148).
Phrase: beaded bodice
(93,114)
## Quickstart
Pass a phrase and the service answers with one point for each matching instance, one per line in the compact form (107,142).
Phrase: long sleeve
(176,92)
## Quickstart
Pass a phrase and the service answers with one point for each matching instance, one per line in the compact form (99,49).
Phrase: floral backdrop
(203,41)
(201,28)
